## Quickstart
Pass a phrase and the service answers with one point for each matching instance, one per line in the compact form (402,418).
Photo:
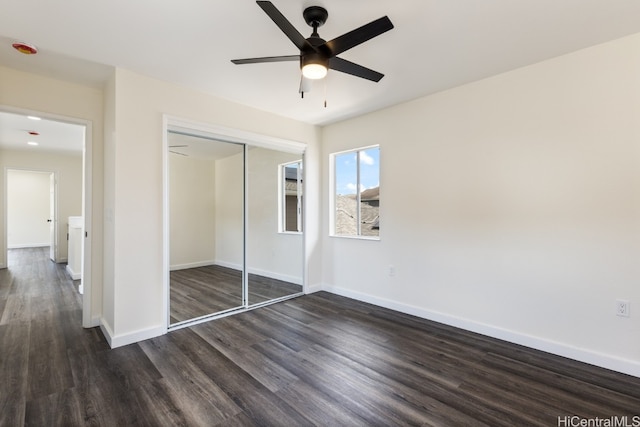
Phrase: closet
(234,227)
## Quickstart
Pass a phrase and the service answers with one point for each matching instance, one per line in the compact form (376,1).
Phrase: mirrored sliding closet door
(235,229)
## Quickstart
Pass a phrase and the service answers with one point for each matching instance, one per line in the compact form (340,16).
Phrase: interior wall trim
(264,273)
(131,337)
(188,265)
(607,361)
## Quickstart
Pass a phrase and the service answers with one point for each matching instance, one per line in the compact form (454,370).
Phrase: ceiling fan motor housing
(315,16)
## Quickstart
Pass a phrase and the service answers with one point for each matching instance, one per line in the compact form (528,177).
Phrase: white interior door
(53,247)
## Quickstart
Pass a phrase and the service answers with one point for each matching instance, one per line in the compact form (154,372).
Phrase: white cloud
(352,187)
(366,159)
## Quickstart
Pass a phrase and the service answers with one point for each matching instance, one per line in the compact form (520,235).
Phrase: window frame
(333,181)
(282,197)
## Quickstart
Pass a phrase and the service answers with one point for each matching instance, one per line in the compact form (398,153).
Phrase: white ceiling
(53,135)
(435,45)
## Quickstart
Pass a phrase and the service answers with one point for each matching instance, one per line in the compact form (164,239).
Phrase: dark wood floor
(210,289)
(314,360)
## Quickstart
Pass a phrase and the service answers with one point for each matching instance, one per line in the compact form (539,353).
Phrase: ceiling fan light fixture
(314,66)
(314,71)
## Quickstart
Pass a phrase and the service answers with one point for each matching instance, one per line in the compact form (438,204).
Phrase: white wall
(54,98)
(69,175)
(192,211)
(230,211)
(133,285)
(509,206)
(28,196)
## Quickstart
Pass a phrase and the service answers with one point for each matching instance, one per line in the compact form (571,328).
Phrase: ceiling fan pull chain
(325,93)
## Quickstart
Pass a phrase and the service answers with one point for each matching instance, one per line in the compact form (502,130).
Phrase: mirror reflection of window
(292,210)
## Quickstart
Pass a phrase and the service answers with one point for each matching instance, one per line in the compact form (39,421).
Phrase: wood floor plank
(264,370)
(17,308)
(549,387)
(203,402)
(49,368)
(106,396)
(58,409)
(256,401)
(14,356)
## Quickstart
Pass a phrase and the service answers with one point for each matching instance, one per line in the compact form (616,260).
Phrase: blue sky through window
(345,167)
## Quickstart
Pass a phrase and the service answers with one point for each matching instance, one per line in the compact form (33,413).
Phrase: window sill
(293,233)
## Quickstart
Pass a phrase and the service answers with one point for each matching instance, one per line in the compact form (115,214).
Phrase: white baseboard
(28,245)
(131,337)
(228,264)
(73,274)
(607,361)
(191,265)
(264,273)
(270,274)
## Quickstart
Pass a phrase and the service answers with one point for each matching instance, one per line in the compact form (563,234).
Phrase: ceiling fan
(317,56)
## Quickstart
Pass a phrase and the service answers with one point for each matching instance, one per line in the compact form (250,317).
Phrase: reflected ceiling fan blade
(266,59)
(177,146)
(181,154)
(283,23)
(354,69)
(359,35)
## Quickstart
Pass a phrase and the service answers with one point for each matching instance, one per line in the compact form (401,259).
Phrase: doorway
(31,211)
(59,148)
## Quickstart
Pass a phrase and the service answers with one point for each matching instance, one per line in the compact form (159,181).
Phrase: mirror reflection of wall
(215,266)
(274,256)
(206,180)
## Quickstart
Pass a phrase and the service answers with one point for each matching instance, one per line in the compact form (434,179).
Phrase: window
(356,203)
(291,197)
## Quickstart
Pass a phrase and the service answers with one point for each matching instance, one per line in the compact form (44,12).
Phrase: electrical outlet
(622,308)
(392,271)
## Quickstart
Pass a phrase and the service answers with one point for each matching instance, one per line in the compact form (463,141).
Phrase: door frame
(53,200)
(53,212)
(88,319)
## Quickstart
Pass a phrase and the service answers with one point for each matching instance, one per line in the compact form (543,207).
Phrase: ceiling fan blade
(359,35)
(266,59)
(181,154)
(283,23)
(349,67)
